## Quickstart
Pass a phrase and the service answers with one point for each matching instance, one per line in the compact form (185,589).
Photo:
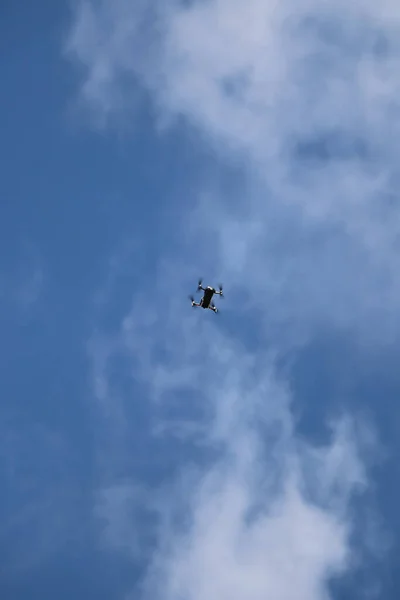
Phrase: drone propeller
(191,298)
(220,289)
(199,284)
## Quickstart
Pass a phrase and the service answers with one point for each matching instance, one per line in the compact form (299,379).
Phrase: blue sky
(150,450)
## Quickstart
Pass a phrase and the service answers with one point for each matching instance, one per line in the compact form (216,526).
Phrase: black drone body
(206,300)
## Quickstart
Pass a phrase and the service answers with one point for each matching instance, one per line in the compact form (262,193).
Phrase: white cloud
(286,553)
(274,84)
(308,242)
(253,530)
(269,515)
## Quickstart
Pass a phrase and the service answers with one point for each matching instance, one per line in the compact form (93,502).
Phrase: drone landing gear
(193,302)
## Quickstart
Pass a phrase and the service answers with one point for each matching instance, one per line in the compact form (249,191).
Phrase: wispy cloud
(245,542)
(301,98)
(262,512)
(305,95)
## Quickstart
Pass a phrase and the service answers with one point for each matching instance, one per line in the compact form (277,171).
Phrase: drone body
(206,300)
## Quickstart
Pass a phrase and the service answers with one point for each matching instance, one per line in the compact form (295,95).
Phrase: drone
(206,300)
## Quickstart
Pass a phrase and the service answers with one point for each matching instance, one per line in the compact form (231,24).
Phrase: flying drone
(206,300)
